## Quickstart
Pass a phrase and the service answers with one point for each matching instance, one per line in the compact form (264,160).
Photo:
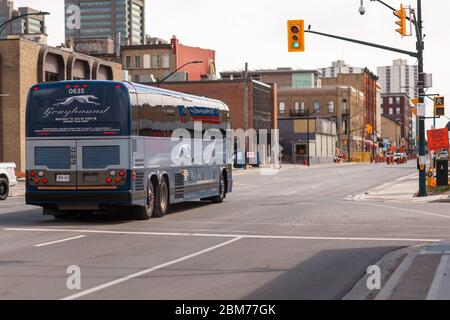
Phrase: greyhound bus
(94,145)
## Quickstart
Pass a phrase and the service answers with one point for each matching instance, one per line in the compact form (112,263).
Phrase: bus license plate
(62,177)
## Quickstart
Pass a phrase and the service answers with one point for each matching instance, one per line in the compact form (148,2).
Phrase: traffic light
(401,14)
(296,35)
(439,106)
(369,129)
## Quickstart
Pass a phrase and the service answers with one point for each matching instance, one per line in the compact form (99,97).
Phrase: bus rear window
(78,110)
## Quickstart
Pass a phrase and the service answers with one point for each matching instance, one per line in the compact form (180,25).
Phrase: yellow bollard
(431,182)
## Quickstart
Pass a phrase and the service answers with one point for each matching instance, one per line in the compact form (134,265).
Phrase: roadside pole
(417,21)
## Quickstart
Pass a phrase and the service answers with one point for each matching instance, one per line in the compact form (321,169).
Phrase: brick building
(343,105)
(24,63)
(398,108)
(284,78)
(392,132)
(366,82)
(158,58)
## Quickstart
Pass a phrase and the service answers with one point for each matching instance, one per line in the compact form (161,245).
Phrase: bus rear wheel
(222,191)
(162,199)
(146,212)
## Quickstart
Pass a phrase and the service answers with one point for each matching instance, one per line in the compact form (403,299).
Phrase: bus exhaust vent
(52,157)
(100,157)
(179,186)
(139,183)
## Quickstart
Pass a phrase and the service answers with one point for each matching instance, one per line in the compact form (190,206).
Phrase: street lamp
(4,24)
(171,74)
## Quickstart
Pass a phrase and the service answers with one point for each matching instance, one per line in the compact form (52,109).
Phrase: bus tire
(4,189)
(146,212)
(222,191)
(162,199)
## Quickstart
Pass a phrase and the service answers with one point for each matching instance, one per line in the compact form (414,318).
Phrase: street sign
(439,106)
(421,110)
(422,160)
(438,139)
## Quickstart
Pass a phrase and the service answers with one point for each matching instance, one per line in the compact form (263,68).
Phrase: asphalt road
(293,235)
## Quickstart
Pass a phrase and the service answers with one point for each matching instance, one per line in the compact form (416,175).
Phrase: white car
(7,179)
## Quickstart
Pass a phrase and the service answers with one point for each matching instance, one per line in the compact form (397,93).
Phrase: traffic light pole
(420,49)
(417,20)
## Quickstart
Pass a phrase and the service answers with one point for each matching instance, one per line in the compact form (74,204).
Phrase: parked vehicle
(7,179)
(400,157)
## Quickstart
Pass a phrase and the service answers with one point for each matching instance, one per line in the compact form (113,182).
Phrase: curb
(393,265)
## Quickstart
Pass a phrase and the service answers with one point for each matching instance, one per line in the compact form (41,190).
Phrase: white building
(339,67)
(399,78)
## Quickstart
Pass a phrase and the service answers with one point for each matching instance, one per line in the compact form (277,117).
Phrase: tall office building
(105,20)
(30,27)
(399,78)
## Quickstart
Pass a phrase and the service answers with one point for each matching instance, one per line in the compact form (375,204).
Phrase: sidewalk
(399,190)
(416,273)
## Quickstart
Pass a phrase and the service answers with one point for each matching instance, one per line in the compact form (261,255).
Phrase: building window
(297,107)
(345,106)
(137,62)
(331,106)
(391,111)
(397,100)
(50,76)
(282,107)
(155,62)
(147,61)
(165,61)
(128,62)
(317,106)
(302,107)
(398,110)
(391,100)
(381,111)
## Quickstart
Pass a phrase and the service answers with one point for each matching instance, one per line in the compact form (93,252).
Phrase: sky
(254,31)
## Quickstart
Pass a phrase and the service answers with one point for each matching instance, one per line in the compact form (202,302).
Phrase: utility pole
(245,110)
(348,131)
(307,138)
(420,49)
(417,21)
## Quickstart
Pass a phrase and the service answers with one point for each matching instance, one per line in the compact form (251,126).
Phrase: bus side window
(134,114)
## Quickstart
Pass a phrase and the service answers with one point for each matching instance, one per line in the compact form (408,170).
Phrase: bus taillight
(122,173)
(108,180)
(44,180)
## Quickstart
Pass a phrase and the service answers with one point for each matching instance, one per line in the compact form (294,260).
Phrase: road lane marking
(146,271)
(439,289)
(219,235)
(59,241)
(404,209)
